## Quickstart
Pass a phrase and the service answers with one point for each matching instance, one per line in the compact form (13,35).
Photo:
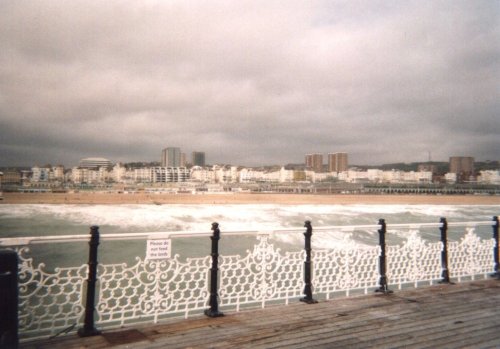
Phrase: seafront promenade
(465,315)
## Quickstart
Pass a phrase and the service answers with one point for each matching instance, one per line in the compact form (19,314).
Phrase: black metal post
(444,252)
(88,328)
(213,311)
(382,258)
(307,266)
(496,274)
(9,328)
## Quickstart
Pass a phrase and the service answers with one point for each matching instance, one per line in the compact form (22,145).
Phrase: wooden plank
(359,325)
(368,333)
(363,330)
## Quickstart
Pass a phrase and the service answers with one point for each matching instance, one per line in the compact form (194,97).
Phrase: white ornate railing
(471,256)
(152,289)
(263,275)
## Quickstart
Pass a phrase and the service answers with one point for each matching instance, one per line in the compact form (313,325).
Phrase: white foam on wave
(356,210)
(151,215)
(143,218)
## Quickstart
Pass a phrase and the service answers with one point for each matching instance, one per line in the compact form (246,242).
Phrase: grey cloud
(249,82)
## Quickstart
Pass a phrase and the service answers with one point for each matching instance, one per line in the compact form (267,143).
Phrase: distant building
(314,162)
(161,175)
(462,166)
(171,157)
(299,176)
(12,177)
(58,172)
(489,177)
(183,160)
(94,163)
(40,174)
(337,162)
(169,174)
(202,174)
(198,158)
(450,178)
(427,168)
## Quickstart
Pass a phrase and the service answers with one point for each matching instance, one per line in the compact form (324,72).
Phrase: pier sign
(158,249)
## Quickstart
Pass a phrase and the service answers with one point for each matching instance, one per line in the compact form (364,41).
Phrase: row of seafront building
(54,177)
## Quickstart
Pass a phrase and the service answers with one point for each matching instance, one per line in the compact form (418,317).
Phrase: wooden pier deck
(465,315)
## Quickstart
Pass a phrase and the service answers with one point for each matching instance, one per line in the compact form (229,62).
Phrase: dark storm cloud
(248,82)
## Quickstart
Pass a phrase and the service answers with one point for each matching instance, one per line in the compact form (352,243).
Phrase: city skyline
(335,161)
(249,82)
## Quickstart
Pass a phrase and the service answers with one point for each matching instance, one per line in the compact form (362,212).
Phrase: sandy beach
(246,198)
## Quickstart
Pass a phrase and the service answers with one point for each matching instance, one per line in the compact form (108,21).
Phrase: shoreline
(245,198)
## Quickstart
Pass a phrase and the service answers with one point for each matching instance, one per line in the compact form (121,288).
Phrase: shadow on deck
(465,315)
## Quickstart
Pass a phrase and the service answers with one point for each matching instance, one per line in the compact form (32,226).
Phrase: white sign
(158,249)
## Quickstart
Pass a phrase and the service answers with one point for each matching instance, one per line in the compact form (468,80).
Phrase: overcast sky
(249,82)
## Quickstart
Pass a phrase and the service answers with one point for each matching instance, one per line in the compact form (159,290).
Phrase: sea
(22,220)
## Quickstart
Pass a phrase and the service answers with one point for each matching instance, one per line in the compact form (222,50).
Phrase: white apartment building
(161,175)
(391,176)
(286,176)
(40,174)
(379,176)
(201,174)
(272,177)
(417,177)
(375,175)
(47,174)
(58,172)
(489,177)
(247,175)
(84,175)
(142,175)
(450,177)
(225,174)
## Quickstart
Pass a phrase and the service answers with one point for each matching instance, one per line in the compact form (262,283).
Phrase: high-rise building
(337,162)
(171,157)
(198,158)
(462,166)
(314,162)
(183,161)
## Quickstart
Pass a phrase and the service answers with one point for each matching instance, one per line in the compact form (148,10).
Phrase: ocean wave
(54,219)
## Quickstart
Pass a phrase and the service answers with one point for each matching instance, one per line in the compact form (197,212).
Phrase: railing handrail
(17,241)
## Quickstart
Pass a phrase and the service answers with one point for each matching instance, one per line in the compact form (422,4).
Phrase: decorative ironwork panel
(52,300)
(151,289)
(264,274)
(470,256)
(414,261)
(352,266)
(48,301)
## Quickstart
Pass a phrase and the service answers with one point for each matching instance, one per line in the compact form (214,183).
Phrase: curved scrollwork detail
(48,301)
(352,266)
(470,256)
(413,261)
(151,289)
(264,274)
